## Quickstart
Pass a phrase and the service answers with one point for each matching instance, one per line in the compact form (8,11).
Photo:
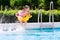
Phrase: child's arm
(17,14)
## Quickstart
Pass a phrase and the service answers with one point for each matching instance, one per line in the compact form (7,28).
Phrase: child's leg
(20,20)
(25,24)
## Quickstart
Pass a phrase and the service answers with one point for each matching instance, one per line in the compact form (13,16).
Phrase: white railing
(52,13)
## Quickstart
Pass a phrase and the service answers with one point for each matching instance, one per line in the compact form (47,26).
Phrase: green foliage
(12,2)
(9,16)
(4,2)
(31,3)
(45,4)
(42,3)
(34,3)
(58,2)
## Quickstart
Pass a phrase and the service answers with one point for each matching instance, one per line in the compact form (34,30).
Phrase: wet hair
(26,6)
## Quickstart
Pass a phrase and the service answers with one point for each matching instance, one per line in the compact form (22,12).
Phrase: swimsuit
(25,18)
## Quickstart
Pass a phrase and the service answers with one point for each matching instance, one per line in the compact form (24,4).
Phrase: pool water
(33,34)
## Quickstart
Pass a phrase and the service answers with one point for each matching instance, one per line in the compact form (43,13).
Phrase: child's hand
(17,14)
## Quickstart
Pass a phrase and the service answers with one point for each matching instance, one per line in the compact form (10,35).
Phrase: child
(24,15)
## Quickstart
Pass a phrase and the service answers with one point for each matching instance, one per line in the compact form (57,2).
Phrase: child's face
(25,8)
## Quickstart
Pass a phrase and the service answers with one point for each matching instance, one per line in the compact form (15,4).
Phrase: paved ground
(31,25)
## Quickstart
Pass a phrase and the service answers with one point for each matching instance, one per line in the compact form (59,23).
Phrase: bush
(9,16)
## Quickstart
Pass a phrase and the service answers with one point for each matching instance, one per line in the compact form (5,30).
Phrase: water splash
(1,20)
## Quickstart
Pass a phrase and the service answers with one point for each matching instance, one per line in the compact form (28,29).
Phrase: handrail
(40,15)
(52,13)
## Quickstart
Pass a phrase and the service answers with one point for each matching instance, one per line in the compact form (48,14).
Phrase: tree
(47,4)
(4,2)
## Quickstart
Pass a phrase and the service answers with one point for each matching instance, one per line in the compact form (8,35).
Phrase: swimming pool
(33,34)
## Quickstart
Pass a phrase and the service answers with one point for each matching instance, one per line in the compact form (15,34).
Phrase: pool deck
(33,25)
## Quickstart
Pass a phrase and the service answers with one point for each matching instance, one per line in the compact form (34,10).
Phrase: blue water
(34,34)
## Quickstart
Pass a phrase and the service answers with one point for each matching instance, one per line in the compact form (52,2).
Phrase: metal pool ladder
(51,13)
